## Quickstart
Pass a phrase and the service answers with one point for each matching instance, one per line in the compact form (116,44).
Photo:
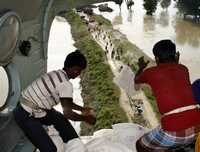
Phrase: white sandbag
(58,142)
(107,134)
(103,133)
(121,138)
(53,133)
(125,80)
(75,145)
(129,133)
(104,145)
(129,128)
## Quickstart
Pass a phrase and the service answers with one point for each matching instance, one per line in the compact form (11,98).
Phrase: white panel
(4,86)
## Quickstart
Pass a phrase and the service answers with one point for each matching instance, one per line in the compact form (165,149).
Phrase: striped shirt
(46,91)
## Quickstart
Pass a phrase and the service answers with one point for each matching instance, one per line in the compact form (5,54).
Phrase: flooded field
(145,31)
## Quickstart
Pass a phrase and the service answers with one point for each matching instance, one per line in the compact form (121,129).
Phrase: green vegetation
(165,3)
(148,93)
(101,19)
(187,7)
(150,6)
(98,89)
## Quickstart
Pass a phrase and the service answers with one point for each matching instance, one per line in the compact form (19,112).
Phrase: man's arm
(72,104)
(69,106)
(142,65)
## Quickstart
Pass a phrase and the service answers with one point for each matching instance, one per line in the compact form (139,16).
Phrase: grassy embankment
(129,55)
(98,89)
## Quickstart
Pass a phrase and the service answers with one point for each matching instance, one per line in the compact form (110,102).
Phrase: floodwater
(60,44)
(144,31)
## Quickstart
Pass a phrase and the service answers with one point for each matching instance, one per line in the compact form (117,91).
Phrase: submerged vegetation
(98,88)
(102,20)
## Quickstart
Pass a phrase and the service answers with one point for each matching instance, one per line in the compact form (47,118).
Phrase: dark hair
(75,58)
(165,50)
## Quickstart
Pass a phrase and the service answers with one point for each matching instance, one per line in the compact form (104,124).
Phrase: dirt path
(148,111)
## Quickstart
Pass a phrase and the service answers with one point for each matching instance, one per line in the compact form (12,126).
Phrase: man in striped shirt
(37,101)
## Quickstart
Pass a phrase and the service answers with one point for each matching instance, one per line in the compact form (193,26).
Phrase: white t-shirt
(46,91)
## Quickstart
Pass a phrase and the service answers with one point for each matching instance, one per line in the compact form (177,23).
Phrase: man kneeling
(169,80)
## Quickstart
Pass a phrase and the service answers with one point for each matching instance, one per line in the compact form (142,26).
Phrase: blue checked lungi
(159,139)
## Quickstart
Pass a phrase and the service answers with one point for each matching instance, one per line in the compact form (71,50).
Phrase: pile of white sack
(121,138)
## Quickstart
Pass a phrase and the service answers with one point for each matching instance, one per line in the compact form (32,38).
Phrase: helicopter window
(9,78)
(9,35)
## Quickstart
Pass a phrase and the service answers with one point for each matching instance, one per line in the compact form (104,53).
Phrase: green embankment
(98,89)
(129,55)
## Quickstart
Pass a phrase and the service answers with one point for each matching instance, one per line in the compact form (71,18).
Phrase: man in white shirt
(37,101)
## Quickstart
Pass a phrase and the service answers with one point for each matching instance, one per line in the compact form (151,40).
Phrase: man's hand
(89,114)
(177,56)
(90,119)
(88,111)
(141,63)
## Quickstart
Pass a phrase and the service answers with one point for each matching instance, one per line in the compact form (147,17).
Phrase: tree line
(186,7)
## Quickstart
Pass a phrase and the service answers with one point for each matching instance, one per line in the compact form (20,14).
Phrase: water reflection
(118,19)
(187,32)
(149,23)
(163,19)
(130,15)
(165,4)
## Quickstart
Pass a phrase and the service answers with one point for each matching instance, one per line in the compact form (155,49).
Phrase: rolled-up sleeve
(142,77)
